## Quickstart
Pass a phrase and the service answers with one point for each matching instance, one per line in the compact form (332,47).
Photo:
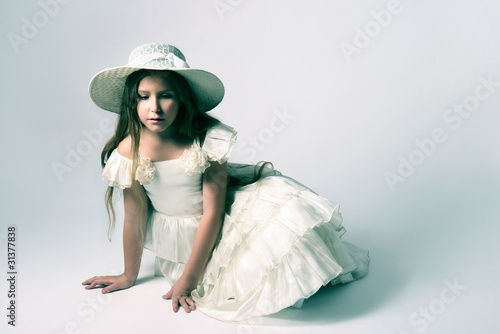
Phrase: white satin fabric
(280,242)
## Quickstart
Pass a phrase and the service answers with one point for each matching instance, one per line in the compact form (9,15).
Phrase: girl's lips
(155,120)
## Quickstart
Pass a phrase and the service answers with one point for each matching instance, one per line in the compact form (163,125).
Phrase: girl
(234,241)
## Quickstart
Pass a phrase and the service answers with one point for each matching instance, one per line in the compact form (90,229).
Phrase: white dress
(279,243)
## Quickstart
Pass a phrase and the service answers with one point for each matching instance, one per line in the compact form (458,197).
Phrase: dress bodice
(173,192)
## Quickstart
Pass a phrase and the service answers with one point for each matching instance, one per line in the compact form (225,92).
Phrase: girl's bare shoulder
(125,148)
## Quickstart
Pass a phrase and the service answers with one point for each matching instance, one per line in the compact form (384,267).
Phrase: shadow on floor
(343,302)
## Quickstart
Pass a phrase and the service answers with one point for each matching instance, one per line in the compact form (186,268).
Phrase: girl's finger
(184,304)
(175,304)
(191,303)
(109,288)
(113,286)
(91,286)
(168,295)
(98,282)
(90,280)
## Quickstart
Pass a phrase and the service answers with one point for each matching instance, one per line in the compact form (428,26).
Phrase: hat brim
(106,87)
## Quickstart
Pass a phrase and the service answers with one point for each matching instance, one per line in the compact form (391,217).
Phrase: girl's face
(157,105)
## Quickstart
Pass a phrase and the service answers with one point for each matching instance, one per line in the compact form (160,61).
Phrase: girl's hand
(180,293)
(112,282)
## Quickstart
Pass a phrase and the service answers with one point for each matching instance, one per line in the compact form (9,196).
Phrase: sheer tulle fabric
(280,242)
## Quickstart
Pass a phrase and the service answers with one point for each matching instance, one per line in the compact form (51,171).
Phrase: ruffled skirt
(280,242)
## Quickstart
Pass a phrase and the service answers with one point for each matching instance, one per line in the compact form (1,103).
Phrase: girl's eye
(163,96)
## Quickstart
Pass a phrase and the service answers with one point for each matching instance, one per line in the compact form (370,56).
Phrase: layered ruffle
(280,243)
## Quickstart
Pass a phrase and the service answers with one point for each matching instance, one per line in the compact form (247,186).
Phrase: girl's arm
(133,243)
(214,195)
(134,229)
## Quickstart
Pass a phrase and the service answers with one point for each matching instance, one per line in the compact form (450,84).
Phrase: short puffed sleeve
(118,171)
(219,142)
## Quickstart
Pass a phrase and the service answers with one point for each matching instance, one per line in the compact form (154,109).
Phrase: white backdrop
(390,108)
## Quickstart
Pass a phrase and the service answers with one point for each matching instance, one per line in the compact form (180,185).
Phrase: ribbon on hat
(173,60)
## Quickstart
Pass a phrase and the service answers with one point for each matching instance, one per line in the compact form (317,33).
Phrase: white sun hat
(106,87)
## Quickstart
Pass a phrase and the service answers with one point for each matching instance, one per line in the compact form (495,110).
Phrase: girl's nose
(155,105)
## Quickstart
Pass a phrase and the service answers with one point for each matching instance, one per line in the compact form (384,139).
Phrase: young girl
(234,241)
